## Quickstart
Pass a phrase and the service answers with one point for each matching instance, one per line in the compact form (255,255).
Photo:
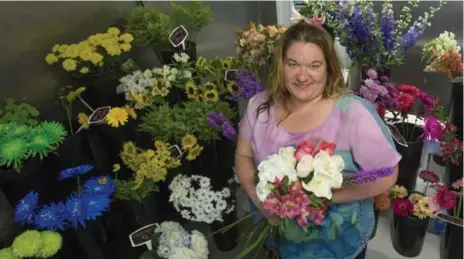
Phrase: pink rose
(303,149)
(327,147)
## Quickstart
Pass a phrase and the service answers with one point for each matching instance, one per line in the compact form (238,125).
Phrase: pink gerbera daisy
(446,198)
(402,207)
(429,176)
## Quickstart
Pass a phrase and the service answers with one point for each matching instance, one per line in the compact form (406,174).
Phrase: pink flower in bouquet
(445,198)
(305,148)
(402,207)
(432,129)
(316,216)
(289,207)
(300,196)
(272,203)
(433,203)
(328,147)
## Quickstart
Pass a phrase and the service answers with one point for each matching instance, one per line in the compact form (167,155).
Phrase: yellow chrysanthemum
(84,70)
(74,94)
(415,198)
(62,48)
(188,141)
(211,96)
(125,47)
(399,192)
(96,58)
(137,98)
(126,37)
(83,120)
(86,54)
(51,59)
(160,145)
(69,64)
(194,152)
(72,51)
(56,48)
(130,111)
(117,116)
(113,31)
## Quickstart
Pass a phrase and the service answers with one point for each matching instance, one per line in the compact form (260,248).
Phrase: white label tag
(142,236)
(176,152)
(397,135)
(99,115)
(231,75)
(178,37)
(450,219)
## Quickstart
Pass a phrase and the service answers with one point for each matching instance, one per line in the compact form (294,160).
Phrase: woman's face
(305,71)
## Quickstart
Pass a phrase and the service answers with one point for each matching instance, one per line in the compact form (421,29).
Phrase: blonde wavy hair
(302,32)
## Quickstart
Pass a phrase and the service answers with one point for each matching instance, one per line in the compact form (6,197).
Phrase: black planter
(456,107)
(453,173)
(411,155)
(376,222)
(438,159)
(408,235)
(228,240)
(167,56)
(451,243)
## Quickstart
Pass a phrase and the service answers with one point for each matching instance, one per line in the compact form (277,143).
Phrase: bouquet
(255,45)
(296,186)
(97,54)
(442,54)
(414,204)
(194,198)
(172,241)
(151,86)
(32,243)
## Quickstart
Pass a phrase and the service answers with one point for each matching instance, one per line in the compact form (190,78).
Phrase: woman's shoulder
(351,103)
(257,100)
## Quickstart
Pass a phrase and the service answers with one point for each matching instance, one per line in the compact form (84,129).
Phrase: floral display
(147,167)
(143,89)
(172,241)
(450,199)
(412,204)
(219,122)
(20,142)
(33,243)
(97,54)
(369,37)
(194,198)
(255,45)
(87,203)
(442,55)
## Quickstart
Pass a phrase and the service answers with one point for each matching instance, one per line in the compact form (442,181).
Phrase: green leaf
(337,219)
(332,232)
(354,217)
(313,234)
(150,254)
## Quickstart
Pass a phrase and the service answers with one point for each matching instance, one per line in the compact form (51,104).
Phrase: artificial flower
(93,205)
(219,122)
(445,198)
(25,209)
(428,176)
(194,152)
(432,129)
(117,116)
(83,120)
(366,176)
(51,244)
(188,141)
(402,207)
(398,192)
(414,198)
(130,111)
(50,217)
(101,185)
(73,95)
(458,184)
(27,244)
(75,171)
(246,85)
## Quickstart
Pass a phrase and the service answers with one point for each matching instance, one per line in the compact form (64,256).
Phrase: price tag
(176,152)
(178,37)
(450,219)
(397,135)
(99,115)
(142,236)
(231,75)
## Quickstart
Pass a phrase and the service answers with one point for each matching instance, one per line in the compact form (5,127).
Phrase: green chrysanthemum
(51,244)
(55,131)
(12,152)
(40,144)
(7,253)
(27,244)
(20,130)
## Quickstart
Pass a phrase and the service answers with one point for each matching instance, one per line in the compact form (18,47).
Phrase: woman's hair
(302,32)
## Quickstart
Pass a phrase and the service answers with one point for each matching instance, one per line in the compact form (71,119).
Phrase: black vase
(438,159)
(228,240)
(376,222)
(167,56)
(453,173)
(451,243)
(411,155)
(456,107)
(408,235)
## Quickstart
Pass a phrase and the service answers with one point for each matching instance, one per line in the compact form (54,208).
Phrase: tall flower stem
(86,104)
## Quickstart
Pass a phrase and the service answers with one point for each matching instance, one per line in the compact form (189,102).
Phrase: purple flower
(368,94)
(426,100)
(219,122)
(372,74)
(248,84)
(432,129)
(367,176)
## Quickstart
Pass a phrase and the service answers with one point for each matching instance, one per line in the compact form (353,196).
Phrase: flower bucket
(408,235)
(451,243)
(411,155)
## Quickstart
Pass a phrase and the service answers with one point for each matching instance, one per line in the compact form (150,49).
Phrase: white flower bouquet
(151,86)
(194,198)
(172,241)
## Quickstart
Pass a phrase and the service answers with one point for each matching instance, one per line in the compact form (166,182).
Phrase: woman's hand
(271,219)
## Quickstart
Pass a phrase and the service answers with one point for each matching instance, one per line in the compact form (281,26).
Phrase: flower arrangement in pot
(171,241)
(33,243)
(412,212)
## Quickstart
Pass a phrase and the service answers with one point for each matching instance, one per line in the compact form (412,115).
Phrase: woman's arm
(245,167)
(363,191)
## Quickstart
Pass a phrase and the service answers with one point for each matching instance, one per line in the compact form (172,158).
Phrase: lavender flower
(367,176)
(249,85)
(219,122)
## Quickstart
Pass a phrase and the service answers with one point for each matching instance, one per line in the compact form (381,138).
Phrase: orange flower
(382,202)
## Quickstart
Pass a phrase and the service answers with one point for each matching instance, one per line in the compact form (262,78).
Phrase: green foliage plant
(19,142)
(193,15)
(22,113)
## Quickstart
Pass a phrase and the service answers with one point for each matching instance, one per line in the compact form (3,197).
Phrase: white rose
(275,167)
(288,155)
(305,166)
(262,190)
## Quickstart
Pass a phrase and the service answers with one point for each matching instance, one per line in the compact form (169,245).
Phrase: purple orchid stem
(367,176)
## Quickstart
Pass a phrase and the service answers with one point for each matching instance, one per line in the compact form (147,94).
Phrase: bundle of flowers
(172,241)
(370,37)
(97,54)
(151,86)
(296,185)
(87,203)
(19,142)
(413,204)
(255,45)
(194,198)
(450,199)
(442,55)
(32,243)
(147,167)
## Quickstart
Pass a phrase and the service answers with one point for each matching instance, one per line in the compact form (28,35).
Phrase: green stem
(458,214)
(86,104)
(426,187)
(224,229)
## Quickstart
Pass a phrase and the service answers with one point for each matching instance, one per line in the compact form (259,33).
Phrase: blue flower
(26,208)
(94,205)
(75,211)
(75,171)
(51,217)
(100,185)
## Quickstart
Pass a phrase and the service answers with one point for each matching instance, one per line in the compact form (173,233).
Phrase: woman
(306,100)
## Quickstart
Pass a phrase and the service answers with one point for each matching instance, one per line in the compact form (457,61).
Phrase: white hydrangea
(193,197)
